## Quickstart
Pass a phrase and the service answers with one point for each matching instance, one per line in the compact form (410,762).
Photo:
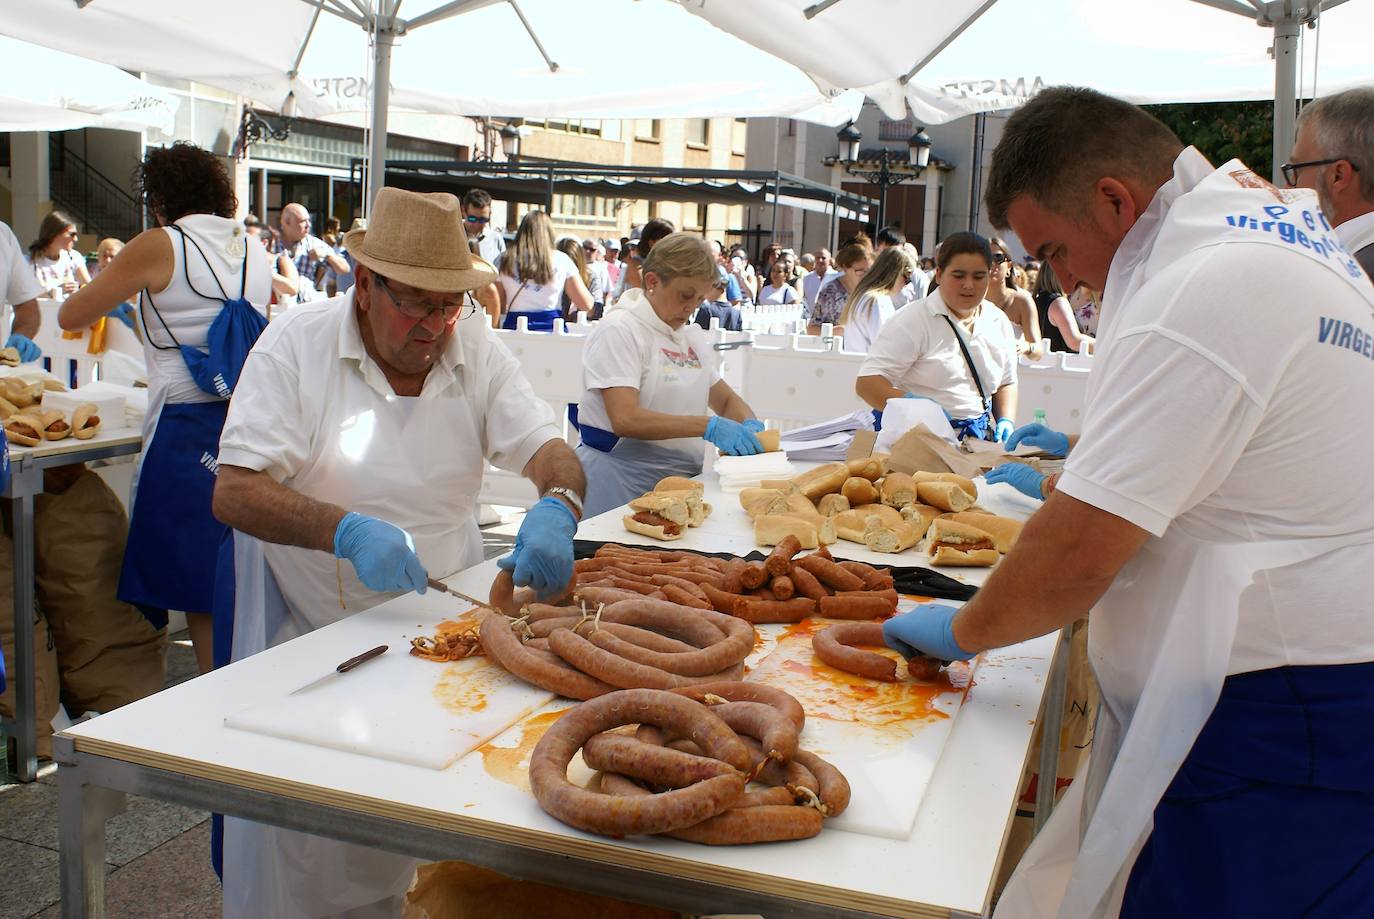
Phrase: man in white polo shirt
(21,290)
(822,273)
(359,431)
(1210,519)
(1334,155)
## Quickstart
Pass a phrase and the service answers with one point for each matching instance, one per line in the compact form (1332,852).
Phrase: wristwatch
(567,494)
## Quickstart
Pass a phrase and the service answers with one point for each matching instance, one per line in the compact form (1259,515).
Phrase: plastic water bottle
(1040,417)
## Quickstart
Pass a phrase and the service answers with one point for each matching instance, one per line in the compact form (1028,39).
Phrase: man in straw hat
(360,429)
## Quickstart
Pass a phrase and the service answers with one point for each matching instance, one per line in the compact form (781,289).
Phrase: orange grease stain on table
(845,697)
(512,764)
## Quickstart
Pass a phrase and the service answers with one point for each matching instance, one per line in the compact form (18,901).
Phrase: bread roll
(923,514)
(756,501)
(897,538)
(85,421)
(679,483)
(667,505)
(7,408)
(24,429)
(850,524)
(697,510)
(659,528)
(859,490)
(897,490)
(947,496)
(950,542)
(55,425)
(786,486)
(948,557)
(800,506)
(823,480)
(9,357)
(871,467)
(771,529)
(1003,530)
(966,484)
(770,440)
(831,505)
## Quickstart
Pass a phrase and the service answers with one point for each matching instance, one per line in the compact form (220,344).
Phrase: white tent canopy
(46,90)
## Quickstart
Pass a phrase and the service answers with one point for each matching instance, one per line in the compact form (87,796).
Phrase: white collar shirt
(1357,233)
(491,244)
(18,283)
(315,412)
(917,352)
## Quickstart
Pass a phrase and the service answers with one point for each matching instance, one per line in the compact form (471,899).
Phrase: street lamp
(917,159)
(510,141)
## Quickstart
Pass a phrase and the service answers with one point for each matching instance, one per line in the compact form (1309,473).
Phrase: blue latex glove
(1004,429)
(28,351)
(1021,477)
(909,395)
(754,425)
(732,437)
(124,313)
(382,554)
(1038,435)
(928,629)
(543,556)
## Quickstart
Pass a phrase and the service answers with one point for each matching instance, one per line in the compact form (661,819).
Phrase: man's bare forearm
(255,503)
(1065,559)
(27,319)
(555,465)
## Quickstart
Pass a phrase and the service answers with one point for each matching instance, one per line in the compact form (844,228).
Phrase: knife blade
(444,588)
(342,669)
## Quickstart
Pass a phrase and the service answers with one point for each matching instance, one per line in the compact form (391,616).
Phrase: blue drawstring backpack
(231,335)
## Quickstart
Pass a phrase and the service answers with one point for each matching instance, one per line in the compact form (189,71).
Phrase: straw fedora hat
(418,239)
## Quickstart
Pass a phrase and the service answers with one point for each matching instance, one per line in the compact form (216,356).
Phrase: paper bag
(455,890)
(919,450)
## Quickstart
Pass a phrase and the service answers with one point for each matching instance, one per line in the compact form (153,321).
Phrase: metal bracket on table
(1051,728)
(732,345)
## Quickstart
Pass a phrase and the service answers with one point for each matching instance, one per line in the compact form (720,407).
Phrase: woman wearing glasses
(535,276)
(870,305)
(56,264)
(1015,302)
(184,269)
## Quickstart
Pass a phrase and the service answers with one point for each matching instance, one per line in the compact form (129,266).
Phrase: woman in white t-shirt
(653,386)
(535,276)
(779,290)
(953,348)
(190,268)
(57,265)
(870,305)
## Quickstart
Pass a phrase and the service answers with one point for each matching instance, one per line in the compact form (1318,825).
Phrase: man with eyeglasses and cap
(350,465)
(477,224)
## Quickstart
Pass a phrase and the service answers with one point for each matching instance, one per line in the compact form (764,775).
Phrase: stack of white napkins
(826,440)
(740,472)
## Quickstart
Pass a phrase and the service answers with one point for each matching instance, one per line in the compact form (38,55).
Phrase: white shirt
(17,281)
(812,284)
(1222,406)
(1357,232)
(529,297)
(316,413)
(671,369)
(868,316)
(52,273)
(914,290)
(490,245)
(916,351)
(600,274)
(778,296)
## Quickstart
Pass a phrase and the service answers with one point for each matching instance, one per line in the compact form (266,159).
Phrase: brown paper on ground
(456,890)
(920,450)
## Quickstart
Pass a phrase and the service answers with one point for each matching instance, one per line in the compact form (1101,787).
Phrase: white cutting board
(884,737)
(398,707)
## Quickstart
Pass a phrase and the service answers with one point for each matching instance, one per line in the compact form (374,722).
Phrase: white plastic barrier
(1057,383)
(119,339)
(768,317)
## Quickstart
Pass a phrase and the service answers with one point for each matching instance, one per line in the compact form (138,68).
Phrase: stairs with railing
(97,204)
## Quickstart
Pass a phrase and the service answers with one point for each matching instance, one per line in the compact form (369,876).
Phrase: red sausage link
(852,607)
(540,668)
(834,787)
(829,573)
(744,691)
(831,646)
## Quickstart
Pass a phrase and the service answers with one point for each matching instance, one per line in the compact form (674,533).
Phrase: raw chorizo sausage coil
(852,607)
(618,671)
(832,646)
(737,826)
(657,765)
(770,727)
(743,691)
(829,573)
(834,787)
(697,662)
(541,668)
(673,810)
(645,638)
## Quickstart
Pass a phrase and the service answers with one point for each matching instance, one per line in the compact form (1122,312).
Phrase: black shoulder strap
(186,272)
(968,359)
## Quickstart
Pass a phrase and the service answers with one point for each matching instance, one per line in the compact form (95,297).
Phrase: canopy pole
(381,101)
(1286,30)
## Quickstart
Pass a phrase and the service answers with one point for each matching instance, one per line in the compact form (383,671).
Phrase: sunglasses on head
(482,220)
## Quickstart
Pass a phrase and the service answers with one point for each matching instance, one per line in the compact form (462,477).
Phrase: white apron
(677,380)
(417,463)
(1160,639)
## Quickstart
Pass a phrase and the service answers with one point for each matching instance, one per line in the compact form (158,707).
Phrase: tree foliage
(1224,130)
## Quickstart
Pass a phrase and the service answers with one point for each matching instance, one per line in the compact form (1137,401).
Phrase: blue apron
(621,468)
(1272,813)
(174,539)
(538,321)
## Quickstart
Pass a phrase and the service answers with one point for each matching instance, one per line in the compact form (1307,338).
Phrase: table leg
(82,810)
(24,484)
(1052,727)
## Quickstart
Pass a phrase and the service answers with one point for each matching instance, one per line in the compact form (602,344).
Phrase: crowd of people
(356,427)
